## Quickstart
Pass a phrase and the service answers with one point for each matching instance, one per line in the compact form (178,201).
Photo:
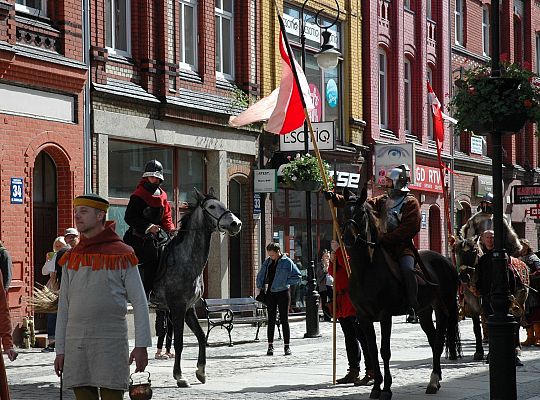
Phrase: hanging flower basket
(303,173)
(485,104)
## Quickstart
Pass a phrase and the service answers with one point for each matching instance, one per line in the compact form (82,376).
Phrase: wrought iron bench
(225,313)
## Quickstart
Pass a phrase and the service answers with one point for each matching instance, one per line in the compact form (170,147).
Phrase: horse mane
(184,221)
(373,219)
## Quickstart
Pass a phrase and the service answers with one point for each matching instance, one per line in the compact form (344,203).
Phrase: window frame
(383,77)
(41,12)
(486,27)
(537,49)
(112,49)
(194,4)
(407,81)
(220,13)
(458,23)
(430,131)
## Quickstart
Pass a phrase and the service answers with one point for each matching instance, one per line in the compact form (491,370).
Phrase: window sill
(410,138)
(119,58)
(387,134)
(222,83)
(190,76)
(36,22)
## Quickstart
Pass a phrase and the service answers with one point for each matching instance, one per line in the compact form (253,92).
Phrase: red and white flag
(438,117)
(283,108)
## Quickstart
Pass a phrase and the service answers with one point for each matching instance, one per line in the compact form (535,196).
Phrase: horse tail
(453,337)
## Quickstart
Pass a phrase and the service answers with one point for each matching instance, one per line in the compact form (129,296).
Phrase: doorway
(235,242)
(434,227)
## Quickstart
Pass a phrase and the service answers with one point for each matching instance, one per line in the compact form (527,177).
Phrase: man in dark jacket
(5,266)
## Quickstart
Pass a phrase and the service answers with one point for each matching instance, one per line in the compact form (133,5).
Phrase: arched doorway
(463,214)
(236,192)
(45,217)
(434,227)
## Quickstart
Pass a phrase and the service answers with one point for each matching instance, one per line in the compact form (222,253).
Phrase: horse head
(218,217)
(468,253)
(358,228)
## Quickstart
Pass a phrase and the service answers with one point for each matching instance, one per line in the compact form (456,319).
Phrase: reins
(358,236)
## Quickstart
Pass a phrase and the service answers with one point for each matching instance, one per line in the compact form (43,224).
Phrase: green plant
(305,168)
(482,103)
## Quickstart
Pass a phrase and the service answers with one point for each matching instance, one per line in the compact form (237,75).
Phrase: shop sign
(484,184)
(477,145)
(526,194)
(427,179)
(324,132)
(16,190)
(265,180)
(346,179)
(533,212)
(311,29)
(388,156)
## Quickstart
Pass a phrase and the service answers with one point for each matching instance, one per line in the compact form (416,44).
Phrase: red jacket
(344,307)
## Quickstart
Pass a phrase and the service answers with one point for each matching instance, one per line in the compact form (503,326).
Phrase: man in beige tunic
(99,277)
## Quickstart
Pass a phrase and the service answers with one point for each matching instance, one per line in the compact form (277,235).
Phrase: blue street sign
(256,203)
(16,190)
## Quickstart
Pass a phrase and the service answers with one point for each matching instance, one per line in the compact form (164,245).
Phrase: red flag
(438,124)
(283,107)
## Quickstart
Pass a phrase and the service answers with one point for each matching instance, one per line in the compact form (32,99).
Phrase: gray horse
(179,284)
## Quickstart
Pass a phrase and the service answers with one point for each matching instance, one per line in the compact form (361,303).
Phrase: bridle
(217,219)
(352,222)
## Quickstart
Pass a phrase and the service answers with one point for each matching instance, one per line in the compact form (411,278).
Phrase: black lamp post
(327,58)
(502,367)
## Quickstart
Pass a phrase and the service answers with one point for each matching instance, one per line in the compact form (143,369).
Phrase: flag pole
(313,140)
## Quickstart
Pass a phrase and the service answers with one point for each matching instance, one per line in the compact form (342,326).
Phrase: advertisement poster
(388,156)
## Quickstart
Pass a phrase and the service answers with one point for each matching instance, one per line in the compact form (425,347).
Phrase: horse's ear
(363,195)
(212,192)
(198,195)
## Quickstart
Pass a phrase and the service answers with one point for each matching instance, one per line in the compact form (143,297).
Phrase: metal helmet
(400,177)
(486,204)
(153,168)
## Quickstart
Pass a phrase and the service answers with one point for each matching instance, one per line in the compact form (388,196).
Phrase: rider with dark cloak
(400,214)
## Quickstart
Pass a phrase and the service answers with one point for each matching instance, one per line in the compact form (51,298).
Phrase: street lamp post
(502,367)
(327,58)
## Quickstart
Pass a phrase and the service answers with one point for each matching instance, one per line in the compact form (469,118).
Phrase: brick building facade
(42,78)
(405,45)
(471,46)
(166,76)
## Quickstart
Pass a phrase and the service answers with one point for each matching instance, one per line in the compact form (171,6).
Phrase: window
(407,4)
(408,96)
(224,38)
(430,111)
(118,26)
(428,10)
(35,7)
(188,34)
(458,22)
(537,47)
(485,29)
(383,90)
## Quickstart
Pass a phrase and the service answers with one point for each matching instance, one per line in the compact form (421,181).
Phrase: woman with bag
(277,274)
(53,284)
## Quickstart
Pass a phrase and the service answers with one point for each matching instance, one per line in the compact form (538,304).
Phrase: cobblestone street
(245,372)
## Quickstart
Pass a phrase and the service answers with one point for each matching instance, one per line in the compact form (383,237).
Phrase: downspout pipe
(87,108)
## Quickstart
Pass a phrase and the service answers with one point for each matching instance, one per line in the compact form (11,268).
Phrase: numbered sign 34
(17,190)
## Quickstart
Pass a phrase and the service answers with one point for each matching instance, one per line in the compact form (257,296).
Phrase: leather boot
(411,286)
(351,377)
(530,337)
(536,328)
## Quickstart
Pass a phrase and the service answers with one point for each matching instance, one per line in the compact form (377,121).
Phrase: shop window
(190,173)
(34,7)
(325,86)
(188,34)
(224,38)
(118,26)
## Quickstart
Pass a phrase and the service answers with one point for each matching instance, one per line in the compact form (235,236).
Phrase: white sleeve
(62,314)
(137,298)
(48,267)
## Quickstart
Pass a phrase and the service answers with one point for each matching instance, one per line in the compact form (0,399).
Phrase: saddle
(421,275)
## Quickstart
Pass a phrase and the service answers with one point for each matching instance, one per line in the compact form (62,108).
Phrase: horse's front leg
(437,349)
(193,323)
(178,313)
(477,329)
(371,339)
(386,333)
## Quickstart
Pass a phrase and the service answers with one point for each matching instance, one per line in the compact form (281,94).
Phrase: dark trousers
(51,326)
(281,301)
(486,308)
(164,329)
(354,336)
(326,298)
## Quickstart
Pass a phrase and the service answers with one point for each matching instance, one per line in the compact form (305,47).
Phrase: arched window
(463,213)
(383,89)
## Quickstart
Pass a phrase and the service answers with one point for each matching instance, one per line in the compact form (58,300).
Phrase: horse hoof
(432,389)
(386,395)
(478,356)
(200,374)
(375,394)
(182,383)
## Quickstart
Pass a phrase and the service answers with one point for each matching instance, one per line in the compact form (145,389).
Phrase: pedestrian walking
(99,277)
(532,304)
(278,272)
(6,339)
(5,266)
(322,275)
